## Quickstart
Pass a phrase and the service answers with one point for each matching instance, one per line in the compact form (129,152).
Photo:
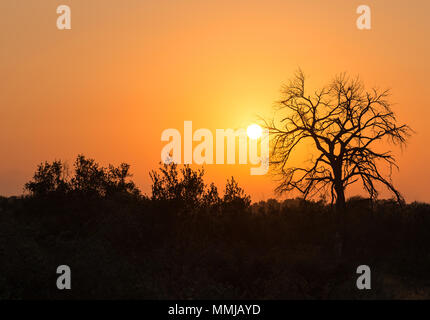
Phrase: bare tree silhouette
(344,123)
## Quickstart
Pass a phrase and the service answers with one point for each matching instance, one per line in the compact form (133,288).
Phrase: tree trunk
(340,201)
(340,219)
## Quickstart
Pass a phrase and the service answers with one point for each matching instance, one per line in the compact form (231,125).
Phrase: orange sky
(130,69)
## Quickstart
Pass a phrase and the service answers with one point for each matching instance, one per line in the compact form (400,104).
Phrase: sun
(254,131)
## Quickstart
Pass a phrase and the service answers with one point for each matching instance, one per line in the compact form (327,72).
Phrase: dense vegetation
(187,241)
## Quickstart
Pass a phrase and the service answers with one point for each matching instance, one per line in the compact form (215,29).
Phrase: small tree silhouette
(49,178)
(211,197)
(343,122)
(186,188)
(234,196)
(117,181)
(89,179)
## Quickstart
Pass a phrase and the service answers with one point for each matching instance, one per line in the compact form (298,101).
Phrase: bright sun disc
(254,131)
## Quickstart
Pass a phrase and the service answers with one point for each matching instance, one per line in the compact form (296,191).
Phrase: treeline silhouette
(187,241)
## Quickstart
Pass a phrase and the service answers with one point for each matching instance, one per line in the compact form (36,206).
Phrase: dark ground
(122,248)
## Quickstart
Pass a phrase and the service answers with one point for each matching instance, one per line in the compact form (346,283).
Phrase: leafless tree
(344,124)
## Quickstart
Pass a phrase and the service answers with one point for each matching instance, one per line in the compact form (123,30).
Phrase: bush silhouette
(235,197)
(49,178)
(186,188)
(89,179)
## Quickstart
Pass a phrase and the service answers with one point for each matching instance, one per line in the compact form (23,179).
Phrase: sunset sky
(130,69)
